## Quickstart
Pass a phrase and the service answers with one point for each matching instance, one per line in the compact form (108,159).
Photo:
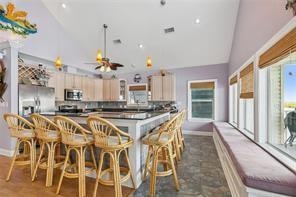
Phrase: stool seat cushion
(81,139)
(28,133)
(114,140)
(153,137)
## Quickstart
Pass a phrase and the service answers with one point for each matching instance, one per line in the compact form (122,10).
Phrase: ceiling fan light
(149,62)
(58,63)
(108,69)
(102,69)
(99,56)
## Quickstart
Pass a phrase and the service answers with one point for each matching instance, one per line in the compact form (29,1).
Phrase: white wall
(44,44)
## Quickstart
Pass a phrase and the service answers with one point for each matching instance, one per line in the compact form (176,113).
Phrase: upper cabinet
(163,88)
(58,82)
(123,90)
(111,89)
(98,83)
(88,88)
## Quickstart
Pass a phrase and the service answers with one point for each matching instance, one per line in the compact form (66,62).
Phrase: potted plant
(291,4)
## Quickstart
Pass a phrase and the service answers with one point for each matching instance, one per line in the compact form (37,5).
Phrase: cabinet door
(98,89)
(91,89)
(106,90)
(156,88)
(52,80)
(169,88)
(85,88)
(69,81)
(115,89)
(78,82)
(60,86)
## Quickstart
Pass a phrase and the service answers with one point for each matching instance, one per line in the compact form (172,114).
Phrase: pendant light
(99,56)
(58,61)
(149,62)
(108,69)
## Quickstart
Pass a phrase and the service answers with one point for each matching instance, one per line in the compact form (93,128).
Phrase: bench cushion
(256,168)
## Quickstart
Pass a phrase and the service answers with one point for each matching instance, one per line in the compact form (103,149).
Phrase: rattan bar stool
(76,139)
(161,143)
(23,130)
(112,142)
(48,135)
(180,136)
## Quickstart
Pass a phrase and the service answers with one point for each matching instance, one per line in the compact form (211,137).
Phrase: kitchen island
(137,124)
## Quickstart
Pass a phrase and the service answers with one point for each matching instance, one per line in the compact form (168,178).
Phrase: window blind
(205,85)
(137,88)
(279,51)
(233,80)
(247,82)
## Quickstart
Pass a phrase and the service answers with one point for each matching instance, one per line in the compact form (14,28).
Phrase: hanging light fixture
(108,69)
(99,56)
(149,62)
(58,61)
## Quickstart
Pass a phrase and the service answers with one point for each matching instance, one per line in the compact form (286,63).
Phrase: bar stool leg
(153,172)
(93,157)
(38,161)
(63,171)
(177,148)
(50,164)
(173,167)
(32,155)
(116,174)
(16,150)
(102,154)
(129,167)
(147,162)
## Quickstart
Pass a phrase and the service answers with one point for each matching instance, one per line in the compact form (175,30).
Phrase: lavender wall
(219,72)
(257,22)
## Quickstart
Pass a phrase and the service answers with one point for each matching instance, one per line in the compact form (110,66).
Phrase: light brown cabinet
(88,88)
(59,86)
(69,81)
(78,82)
(111,89)
(98,89)
(163,88)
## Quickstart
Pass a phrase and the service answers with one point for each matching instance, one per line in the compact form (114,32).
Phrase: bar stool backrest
(17,125)
(103,131)
(170,127)
(44,127)
(72,133)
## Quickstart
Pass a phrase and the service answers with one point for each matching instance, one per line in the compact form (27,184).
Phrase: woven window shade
(233,80)
(279,51)
(137,88)
(247,82)
(205,85)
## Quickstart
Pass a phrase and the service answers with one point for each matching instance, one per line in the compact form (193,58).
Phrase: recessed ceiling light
(64,5)
(197,21)
(141,46)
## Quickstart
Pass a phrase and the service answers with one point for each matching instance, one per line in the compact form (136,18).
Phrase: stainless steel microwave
(73,95)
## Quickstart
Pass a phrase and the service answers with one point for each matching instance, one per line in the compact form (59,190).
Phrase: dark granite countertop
(111,115)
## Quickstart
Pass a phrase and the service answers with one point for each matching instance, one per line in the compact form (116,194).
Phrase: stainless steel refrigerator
(36,99)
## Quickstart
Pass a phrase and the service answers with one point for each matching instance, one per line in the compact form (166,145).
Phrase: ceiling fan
(103,63)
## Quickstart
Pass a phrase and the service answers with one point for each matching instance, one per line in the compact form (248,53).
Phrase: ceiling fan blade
(117,65)
(113,68)
(98,67)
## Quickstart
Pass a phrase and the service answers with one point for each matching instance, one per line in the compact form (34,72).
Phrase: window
(233,100)
(246,99)
(282,105)
(201,99)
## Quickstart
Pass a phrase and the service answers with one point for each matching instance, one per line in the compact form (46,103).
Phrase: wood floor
(20,184)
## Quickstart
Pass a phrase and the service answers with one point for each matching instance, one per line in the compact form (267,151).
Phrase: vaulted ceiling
(137,22)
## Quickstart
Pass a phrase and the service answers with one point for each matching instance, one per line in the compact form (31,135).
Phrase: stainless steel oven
(73,95)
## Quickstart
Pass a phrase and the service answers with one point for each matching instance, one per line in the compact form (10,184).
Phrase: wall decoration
(3,85)
(137,78)
(291,4)
(15,21)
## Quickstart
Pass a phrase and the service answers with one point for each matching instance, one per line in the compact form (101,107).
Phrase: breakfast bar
(137,124)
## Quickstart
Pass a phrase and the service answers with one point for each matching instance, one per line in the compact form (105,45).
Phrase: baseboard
(5,152)
(200,133)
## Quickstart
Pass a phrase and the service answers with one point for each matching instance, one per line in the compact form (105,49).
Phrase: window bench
(249,170)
